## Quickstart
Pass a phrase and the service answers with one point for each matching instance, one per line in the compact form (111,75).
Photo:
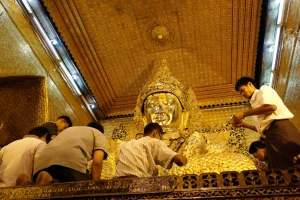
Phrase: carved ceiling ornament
(160,34)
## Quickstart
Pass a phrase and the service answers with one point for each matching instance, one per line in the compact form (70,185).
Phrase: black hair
(244,81)
(68,120)
(149,128)
(257,144)
(39,131)
(48,137)
(97,126)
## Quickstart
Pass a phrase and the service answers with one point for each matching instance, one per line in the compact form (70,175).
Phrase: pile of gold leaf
(215,160)
(203,157)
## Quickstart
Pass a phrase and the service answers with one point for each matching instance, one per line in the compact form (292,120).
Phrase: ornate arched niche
(23,106)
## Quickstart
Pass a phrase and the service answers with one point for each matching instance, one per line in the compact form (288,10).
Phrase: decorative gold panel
(116,44)
(160,33)
(23,107)
(250,185)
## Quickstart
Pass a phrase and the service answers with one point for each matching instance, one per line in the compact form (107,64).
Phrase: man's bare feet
(23,180)
(296,160)
(43,178)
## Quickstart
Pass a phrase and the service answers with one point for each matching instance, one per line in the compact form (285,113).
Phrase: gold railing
(276,184)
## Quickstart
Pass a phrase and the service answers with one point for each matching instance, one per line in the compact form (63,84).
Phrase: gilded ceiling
(117,45)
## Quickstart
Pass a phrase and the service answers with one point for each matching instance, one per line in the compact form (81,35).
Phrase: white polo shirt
(140,157)
(267,95)
(18,157)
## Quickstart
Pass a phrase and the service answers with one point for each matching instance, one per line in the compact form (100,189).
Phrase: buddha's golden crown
(163,81)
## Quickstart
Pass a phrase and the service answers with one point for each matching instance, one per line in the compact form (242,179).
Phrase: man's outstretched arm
(264,109)
(245,125)
(97,165)
(179,160)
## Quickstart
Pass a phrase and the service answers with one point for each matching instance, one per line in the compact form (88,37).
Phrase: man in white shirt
(18,157)
(138,158)
(271,117)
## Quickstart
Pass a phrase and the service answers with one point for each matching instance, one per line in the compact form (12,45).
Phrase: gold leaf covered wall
(23,106)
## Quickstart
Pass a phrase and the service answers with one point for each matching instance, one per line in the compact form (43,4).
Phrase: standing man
(59,125)
(138,158)
(18,157)
(65,158)
(271,118)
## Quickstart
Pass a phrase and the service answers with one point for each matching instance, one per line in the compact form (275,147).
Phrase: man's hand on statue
(238,117)
(179,160)
(238,124)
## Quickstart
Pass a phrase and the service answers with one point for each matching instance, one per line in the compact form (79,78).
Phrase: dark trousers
(64,174)
(282,144)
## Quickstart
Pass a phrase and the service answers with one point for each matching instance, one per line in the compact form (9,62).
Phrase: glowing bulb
(271,48)
(160,36)
(92,105)
(54,42)
(27,6)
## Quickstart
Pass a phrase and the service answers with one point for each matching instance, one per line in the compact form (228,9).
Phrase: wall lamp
(40,22)
(277,39)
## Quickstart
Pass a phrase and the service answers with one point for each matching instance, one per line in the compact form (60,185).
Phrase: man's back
(140,157)
(72,148)
(18,157)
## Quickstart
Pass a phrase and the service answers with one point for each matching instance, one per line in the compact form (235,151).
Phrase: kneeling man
(138,158)
(17,158)
(65,158)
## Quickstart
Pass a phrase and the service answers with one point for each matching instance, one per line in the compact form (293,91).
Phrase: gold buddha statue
(164,100)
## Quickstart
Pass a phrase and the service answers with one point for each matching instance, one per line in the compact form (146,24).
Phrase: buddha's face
(164,109)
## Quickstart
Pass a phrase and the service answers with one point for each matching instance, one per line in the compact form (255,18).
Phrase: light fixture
(74,76)
(277,38)
(87,105)
(37,18)
(160,34)
(54,42)
(280,12)
(270,48)
(45,37)
(69,78)
(27,6)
